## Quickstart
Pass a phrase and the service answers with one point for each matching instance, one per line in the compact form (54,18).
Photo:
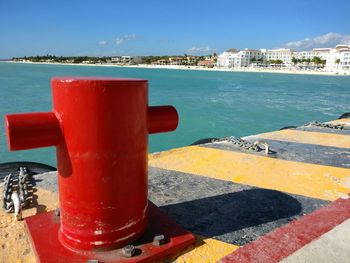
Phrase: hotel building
(278,54)
(241,58)
(337,59)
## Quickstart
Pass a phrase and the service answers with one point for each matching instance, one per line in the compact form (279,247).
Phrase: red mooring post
(100,128)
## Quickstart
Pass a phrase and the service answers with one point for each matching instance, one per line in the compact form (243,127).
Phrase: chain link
(16,185)
(255,147)
(8,189)
(327,125)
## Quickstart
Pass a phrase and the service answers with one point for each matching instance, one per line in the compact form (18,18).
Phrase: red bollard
(100,128)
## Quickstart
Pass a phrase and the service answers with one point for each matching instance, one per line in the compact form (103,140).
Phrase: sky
(161,27)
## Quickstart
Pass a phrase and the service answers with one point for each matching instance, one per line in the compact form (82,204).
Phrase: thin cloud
(123,39)
(327,40)
(102,42)
(199,50)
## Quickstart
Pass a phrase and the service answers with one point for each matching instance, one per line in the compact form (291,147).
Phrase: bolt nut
(128,251)
(158,240)
(57,212)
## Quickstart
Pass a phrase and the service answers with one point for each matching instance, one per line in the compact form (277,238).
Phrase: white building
(316,52)
(126,59)
(249,56)
(227,59)
(283,54)
(309,54)
(238,59)
(338,59)
(321,53)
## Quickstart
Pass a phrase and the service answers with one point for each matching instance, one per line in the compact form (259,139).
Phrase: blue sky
(164,27)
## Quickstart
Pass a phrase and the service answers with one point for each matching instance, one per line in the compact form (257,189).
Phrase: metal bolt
(158,240)
(92,261)
(128,251)
(57,212)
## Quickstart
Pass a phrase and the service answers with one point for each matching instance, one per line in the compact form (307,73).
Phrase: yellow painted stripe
(206,250)
(318,181)
(319,138)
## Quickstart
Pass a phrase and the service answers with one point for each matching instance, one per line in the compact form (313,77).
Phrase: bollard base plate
(43,234)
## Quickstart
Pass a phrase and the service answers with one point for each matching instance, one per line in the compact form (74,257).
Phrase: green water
(210,104)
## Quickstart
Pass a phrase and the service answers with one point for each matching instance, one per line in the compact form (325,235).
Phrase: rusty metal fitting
(159,240)
(57,212)
(128,251)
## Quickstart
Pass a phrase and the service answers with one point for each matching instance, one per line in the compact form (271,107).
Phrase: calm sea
(210,104)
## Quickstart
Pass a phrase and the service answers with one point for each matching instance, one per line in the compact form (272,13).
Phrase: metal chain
(256,146)
(15,194)
(23,180)
(8,189)
(327,125)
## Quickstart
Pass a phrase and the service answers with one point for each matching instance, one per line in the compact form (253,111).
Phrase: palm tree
(316,60)
(337,61)
(294,60)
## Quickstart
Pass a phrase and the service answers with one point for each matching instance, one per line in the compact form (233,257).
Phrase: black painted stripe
(323,130)
(293,151)
(230,212)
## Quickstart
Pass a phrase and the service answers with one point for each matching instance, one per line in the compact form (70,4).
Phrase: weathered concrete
(332,247)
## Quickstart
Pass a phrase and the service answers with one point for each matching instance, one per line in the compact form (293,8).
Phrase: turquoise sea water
(210,104)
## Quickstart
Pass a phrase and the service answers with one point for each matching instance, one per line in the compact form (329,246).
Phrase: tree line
(105,59)
(62,59)
(316,60)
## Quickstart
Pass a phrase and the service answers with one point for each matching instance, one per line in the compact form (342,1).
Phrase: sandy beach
(181,67)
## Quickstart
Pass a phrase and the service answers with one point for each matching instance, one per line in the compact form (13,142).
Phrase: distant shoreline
(198,68)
